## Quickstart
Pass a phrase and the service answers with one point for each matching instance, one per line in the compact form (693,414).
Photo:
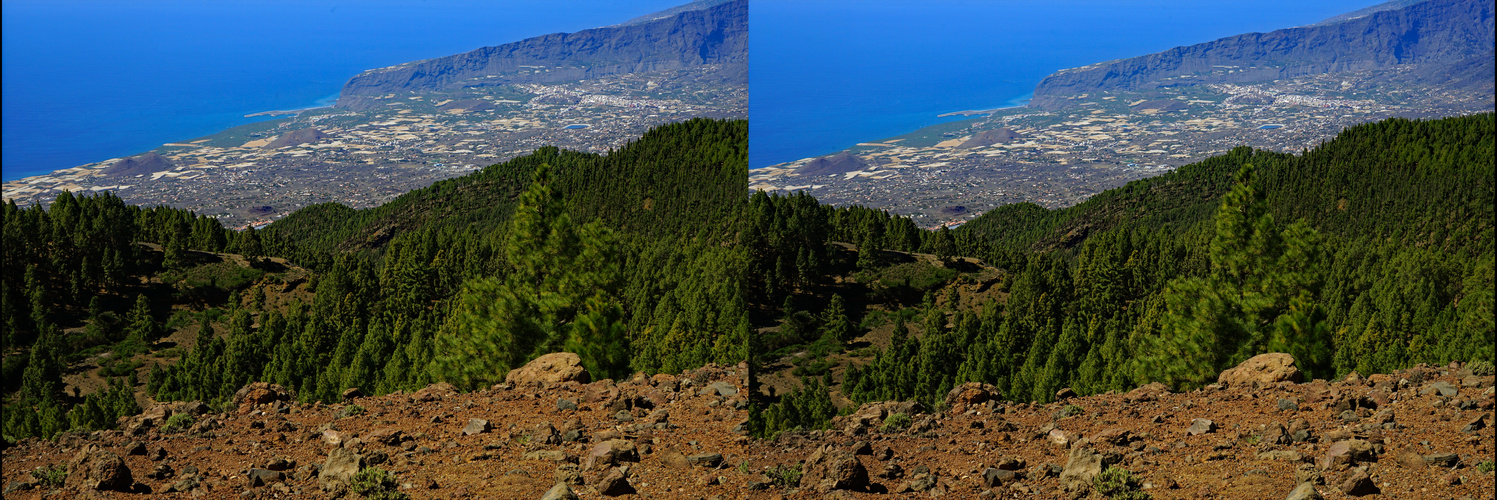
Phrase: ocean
(86,81)
(825,75)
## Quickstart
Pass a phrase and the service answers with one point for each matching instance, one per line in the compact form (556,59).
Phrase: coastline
(1017,102)
(281,112)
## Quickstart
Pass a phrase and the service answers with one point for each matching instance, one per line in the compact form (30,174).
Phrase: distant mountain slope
(688,174)
(718,35)
(673,11)
(137,165)
(1426,183)
(1390,5)
(839,163)
(1437,31)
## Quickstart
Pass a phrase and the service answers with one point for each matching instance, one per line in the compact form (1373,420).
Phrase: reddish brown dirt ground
(432,458)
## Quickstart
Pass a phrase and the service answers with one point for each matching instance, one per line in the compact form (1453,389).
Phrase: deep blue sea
(86,81)
(826,75)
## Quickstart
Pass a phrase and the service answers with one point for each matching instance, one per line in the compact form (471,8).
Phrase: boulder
(1114,436)
(549,371)
(434,392)
(262,477)
(1083,466)
(1440,387)
(476,426)
(705,459)
(1444,460)
(95,468)
(1262,370)
(340,467)
(829,469)
(561,491)
(1356,483)
(994,478)
(1347,453)
(1201,426)
(610,453)
(1305,491)
(614,483)
(1150,392)
(970,393)
(259,393)
(386,436)
(719,388)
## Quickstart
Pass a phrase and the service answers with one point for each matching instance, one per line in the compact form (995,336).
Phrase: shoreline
(1017,102)
(281,112)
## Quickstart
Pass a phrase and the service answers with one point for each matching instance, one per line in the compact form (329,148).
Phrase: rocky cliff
(1437,31)
(715,35)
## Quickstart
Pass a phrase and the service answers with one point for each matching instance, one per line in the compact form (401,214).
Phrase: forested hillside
(1371,253)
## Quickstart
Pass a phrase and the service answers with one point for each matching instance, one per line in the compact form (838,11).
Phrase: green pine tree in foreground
(558,292)
(1259,296)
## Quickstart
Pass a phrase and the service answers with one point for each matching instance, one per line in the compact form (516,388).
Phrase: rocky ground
(1420,433)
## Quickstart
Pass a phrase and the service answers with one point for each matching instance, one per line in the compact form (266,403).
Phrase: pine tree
(1258,296)
(558,289)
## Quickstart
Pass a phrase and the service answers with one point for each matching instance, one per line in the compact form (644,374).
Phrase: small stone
(135,448)
(351,393)
(1289,405)
(564,404)
(1065,393)
(1201,426)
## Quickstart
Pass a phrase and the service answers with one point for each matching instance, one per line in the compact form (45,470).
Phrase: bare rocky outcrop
(831,469)
(1261,370)
(95,468)
(259,393)
(340,467)
(549,371)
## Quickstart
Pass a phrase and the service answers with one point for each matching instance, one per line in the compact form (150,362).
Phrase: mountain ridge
(694,38)
(1437,31)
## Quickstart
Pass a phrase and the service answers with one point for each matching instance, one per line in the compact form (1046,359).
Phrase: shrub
(1486,466)
(785,476)
(896,422)
(375,483)
(1481,368)
(50,476)
(177,422)
(349,411)
(1068,411)
(1119,484)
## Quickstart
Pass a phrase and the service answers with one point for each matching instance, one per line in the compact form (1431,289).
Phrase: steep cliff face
(716,35)
(1437,31)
